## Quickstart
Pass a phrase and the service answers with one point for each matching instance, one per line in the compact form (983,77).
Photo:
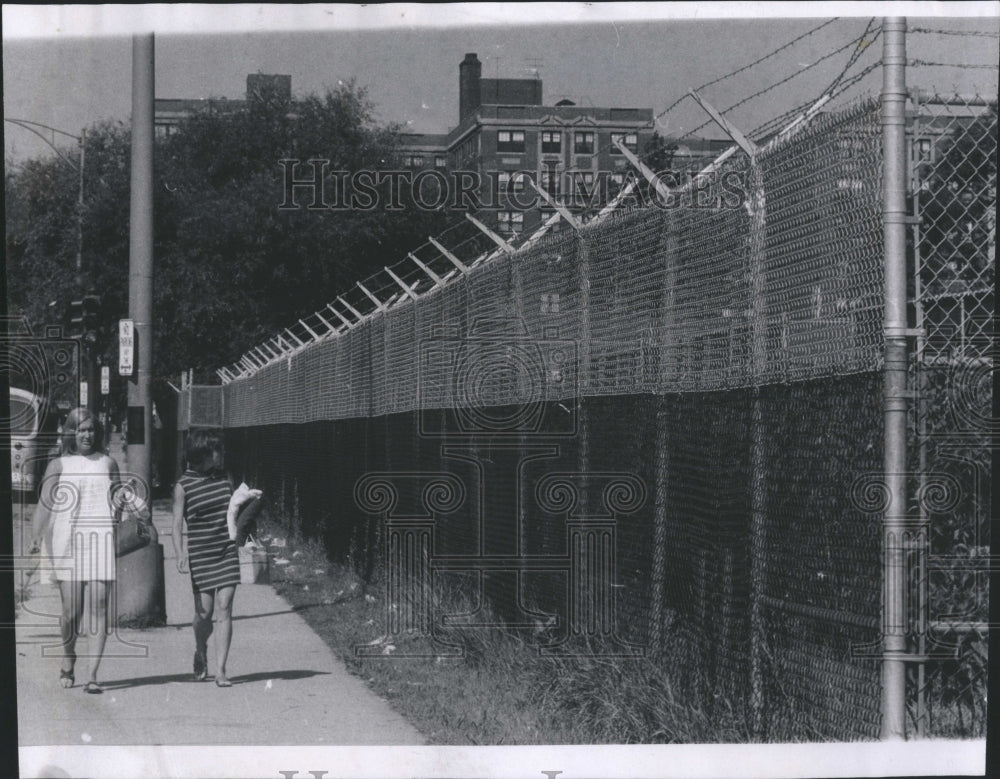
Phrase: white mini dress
(83,533)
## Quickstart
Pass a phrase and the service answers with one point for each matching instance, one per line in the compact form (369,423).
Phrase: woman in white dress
(77,501)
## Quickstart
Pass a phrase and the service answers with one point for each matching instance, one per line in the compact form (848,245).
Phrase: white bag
(240,496)
(254,564)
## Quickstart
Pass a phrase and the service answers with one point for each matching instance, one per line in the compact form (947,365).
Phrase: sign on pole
(126,347)
(105,380)
(83,394)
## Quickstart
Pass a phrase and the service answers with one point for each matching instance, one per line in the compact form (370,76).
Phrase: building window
(551,143)
(616,183)
(413,161)
(440,161)
(584,182)
(508,181)
(510,221)
(583,142)
(549,179)
(510,140)
(629,140)
(550,303)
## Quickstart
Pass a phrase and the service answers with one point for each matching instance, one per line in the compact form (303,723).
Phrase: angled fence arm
(378,303)
(490,234)
(347,322)
(617,201)
(312,332)
(350,308)
(329,327)
(434,277)
(728,127)
(406,287)
(297,340)
(647,174)
(535,236)
(562,210)
(451,257)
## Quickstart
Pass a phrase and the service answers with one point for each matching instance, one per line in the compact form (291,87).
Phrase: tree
(958,208)
(230,269)
(658,155)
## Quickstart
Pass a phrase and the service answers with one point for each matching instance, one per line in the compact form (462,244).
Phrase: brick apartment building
(504,129)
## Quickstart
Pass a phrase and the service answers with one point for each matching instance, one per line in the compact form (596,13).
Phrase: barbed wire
(837,86)
(763,131)
(962,66)
(856,54)
(963,33)
(746,67)
(775,85)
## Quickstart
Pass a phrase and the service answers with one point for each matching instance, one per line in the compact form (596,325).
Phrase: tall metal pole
(894,237)
(79,217)
(140,276)
(83,287)
(140,595)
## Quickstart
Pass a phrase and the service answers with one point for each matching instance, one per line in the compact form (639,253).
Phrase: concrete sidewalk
(288,687)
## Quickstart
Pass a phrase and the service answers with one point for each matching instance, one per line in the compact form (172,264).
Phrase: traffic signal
(91,316)
(76,319)
(84,317)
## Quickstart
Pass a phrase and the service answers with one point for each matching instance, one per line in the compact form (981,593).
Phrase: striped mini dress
(212,556)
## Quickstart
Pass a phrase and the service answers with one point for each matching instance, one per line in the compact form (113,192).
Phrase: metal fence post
(758,453)
(665,378)
(894,236)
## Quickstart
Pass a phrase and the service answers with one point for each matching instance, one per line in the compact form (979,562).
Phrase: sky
(68,67)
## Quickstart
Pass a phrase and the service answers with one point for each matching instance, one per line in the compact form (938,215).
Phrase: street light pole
(140,277)
(86,347)
(140,594)
(79,216)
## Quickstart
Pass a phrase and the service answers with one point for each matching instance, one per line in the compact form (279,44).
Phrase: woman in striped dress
(201,500)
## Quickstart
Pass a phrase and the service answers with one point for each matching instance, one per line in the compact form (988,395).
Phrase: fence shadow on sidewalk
(260,676)
(292,610)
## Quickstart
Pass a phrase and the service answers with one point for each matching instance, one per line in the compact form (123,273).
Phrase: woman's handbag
(134,529)
(131,534)
(254,565)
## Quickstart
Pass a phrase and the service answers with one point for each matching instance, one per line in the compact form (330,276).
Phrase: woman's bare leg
(224,635)
(97,625)
(71,601)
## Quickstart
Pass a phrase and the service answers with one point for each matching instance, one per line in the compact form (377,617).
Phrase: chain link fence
(953,167)
(660,430)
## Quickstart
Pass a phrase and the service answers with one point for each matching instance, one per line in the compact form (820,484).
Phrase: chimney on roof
(470,70)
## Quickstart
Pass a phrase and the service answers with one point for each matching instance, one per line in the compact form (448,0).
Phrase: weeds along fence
(665,431)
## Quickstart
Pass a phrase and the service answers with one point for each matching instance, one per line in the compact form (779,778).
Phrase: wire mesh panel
(200,406)
(953,153)
(721,357)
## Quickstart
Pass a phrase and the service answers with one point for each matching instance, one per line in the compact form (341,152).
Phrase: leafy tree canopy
(230,267)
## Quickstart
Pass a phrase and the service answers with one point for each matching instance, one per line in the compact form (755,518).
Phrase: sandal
(222,682)
(200,667)
(93,688)
(66,678)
